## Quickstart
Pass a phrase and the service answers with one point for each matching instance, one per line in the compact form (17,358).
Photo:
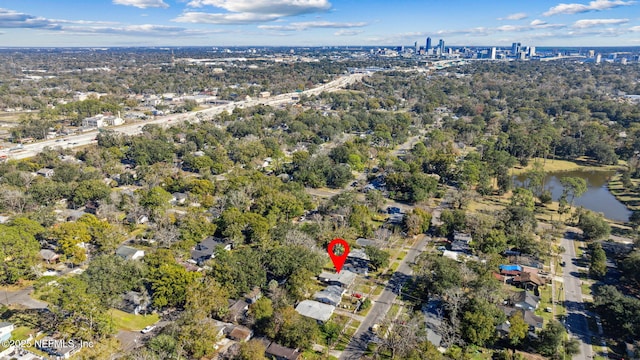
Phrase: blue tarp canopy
(511,267)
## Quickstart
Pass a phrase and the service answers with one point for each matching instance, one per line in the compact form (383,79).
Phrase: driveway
(21,298)
(130,340)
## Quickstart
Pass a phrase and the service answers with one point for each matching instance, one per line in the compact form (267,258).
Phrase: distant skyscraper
(493,53)
(441,47)
(592,53)
(428,46)
(515,48)
(415,46)
(598,58)
(532,51)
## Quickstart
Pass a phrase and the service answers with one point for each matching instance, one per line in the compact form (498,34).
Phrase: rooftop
(282,352)
(344,277)
(315,310)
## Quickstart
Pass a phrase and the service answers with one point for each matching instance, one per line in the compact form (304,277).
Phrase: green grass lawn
(126,321)
(395,308)
(545,301)
(394,267)
(22,333)
(378,290)
(315,355)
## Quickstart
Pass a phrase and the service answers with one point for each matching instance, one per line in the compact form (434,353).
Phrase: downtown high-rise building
(427,47)
(441,47)
(515,48)
(493,53)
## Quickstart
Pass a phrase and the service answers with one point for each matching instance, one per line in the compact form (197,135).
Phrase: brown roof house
(528,281)
(240,333)
(279,352)
(237,311)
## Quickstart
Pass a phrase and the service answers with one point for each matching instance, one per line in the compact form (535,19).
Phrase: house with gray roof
(357,262)
(205,250)
(49,256)
(432,312)
(5,330)
(344,278)
(129,253)
(315,310)
(526,300)
(135,303)
(331,295)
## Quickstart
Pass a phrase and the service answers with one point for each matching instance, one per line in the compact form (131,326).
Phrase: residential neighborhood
(184,207)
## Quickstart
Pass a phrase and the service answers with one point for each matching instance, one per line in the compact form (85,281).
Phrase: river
(596,198)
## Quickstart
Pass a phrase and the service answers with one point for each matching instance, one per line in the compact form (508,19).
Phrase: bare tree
(382,235)
(165,233)
(404,336)
(298,238)
(14,199)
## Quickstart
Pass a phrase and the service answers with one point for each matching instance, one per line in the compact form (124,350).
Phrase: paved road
(358,344)
(576,321)
(86,138)
(21,297)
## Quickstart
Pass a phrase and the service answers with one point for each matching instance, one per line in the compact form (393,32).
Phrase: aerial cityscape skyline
(317,23)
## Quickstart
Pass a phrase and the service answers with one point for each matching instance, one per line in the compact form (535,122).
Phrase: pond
(596,198)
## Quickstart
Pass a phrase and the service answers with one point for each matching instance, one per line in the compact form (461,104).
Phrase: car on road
(148,329)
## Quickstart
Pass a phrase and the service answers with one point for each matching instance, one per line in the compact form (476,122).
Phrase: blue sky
(318,22)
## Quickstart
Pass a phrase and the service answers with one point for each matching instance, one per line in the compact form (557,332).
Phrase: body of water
(596,198)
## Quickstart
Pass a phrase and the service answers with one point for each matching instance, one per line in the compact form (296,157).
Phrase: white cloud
(298,26)
(345,32)
(596,5)
(233,18)
(513,28)
(540,24)
(588,23)
(516,16)
(250,11)
(635,28)
(283,7)
(142,4)
(14,19)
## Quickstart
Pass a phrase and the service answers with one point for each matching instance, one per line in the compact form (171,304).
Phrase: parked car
(148,329)
(393,210)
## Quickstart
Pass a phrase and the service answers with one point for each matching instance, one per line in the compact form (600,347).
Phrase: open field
(551,165)
(125,321)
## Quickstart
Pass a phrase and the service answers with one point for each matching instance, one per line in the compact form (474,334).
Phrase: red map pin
(338,260)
